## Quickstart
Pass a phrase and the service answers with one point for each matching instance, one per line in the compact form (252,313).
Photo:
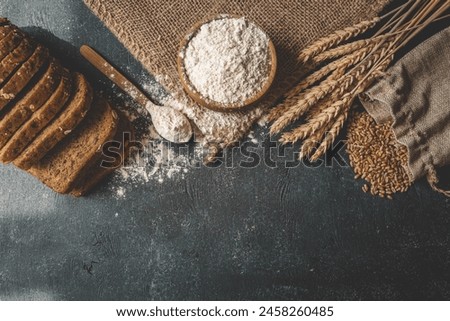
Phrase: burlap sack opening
(152,30)
(415,95)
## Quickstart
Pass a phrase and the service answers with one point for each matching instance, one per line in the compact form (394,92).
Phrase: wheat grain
(336,38)
(376,156)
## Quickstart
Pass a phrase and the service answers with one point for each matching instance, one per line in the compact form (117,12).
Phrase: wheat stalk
(318,122)
(336,127)
(311,97)
(330,137)
(326,96)
(329,113)
(293,102)
(294,106)
(319,107)
(336,38)
(348,49)
(310,143)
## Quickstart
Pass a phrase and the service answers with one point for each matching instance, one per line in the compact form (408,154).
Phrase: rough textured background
(303,233)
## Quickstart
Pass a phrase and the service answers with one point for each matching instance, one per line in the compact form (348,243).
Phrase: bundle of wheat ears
(324,98)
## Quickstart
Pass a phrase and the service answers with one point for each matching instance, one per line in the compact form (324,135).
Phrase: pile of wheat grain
(376,156)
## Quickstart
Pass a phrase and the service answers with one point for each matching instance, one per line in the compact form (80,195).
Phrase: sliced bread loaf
(29,130)
(23,75)
(97,171)
(60,168)
(31,102)
(15,58)
(61,126)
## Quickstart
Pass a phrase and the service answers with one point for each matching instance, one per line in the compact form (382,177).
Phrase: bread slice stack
(52,124)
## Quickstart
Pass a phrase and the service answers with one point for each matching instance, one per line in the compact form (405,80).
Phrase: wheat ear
(330,137)
(336,127)
(341,85)
(293,98)
(310,143)
(349,48)
(327,115)
(336,38)
(311,97)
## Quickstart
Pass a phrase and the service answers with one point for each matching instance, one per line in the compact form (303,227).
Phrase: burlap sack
(152,30)
(415,94)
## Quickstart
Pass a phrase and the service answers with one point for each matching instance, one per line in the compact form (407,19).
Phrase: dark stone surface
(221,233)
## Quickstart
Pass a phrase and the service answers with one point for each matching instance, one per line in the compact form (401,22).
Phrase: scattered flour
(152,159)
(263,120)
(155,161)
(227,60)
(120,192)
(252,138)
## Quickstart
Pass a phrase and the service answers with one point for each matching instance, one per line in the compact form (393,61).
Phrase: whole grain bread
(43,127)
(5,29)
(98,171)
(61,168)
(15,58)
(31,102)
(29,130)
(76,109)
(23,75)
(10,41)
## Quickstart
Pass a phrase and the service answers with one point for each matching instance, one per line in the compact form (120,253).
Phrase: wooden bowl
(208,103)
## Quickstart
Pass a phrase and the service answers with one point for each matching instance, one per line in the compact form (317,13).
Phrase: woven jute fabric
(415,95)
(152,31)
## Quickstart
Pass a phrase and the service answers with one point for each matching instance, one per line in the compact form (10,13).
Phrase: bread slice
(23,75)
(31,102)
(96,172)
(10,41)
(15,58)
(61,126)
(60,168)
(29,130)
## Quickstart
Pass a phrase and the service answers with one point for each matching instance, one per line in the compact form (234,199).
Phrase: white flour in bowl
(227,60)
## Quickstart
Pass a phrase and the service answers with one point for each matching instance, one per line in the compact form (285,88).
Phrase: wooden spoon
(170,123)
